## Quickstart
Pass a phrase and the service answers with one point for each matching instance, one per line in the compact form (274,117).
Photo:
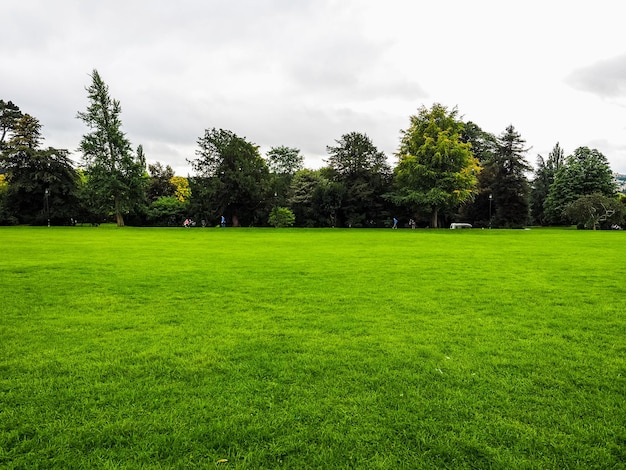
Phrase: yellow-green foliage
(183,192)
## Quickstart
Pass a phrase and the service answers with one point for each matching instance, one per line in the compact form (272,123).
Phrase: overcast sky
(302,73)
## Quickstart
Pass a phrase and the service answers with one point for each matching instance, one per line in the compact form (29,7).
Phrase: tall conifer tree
(115,175)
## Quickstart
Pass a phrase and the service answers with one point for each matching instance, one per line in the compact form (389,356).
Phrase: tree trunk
(435,220)
(118,214)
(235,220)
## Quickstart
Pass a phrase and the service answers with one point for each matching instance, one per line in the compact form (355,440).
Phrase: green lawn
(178,348)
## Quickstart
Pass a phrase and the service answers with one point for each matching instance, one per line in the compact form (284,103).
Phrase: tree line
(447,170)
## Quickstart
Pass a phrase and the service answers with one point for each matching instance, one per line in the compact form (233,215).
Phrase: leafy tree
(9,115)
(281,217)
(590,210)
(41,183)
(302,191)
(167,211)
(160,183)
(284,160)
(586,171)
(510,187)
(115,175)
(327,200)
(182,191)
(544,177)
(436,172)
(233,178)
(483,146)
(363,171)
(283,163)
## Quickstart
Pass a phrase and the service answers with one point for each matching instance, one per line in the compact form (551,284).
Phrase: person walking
(223,222)
(395,223)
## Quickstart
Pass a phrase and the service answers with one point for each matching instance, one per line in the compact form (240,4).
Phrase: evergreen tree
(9,115)
(115,177)
(41,183)
(510,187)
(544,177)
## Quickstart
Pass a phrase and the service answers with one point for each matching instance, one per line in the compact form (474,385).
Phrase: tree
(589,210)
(544,177)
(483,146)
(284,160)
(114,175)
(182,192)
(160,183)
(436,171)
(281,217)
(302,191)
(510,187)
(9,115)
(41,183)
(232,177)
(283,163)
(586,171)
(363,171)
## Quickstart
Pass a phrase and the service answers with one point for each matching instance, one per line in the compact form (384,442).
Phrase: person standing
(223,222)
(395,223)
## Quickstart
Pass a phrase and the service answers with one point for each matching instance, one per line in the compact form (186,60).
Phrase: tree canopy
(585,172)
(436,171)
(233,178)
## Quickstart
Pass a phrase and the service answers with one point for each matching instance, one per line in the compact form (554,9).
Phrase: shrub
(281,217)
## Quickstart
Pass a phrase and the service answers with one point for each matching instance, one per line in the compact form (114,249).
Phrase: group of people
(191,223)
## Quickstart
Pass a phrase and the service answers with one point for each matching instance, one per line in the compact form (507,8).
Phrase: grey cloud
(606,78)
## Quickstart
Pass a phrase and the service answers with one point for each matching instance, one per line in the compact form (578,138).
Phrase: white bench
(460,225)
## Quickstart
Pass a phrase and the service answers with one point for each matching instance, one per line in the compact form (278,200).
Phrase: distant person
(186,223)
(223,222)
(412,223)
(395,223)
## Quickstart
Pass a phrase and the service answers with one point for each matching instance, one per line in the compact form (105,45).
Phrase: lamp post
(47,208)
(490,199)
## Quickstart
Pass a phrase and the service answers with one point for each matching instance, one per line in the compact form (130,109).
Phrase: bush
(281,217)
(167,210)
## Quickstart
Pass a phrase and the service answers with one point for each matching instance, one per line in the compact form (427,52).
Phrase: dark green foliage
(509,185)
(160,184)
(115,177)
(544,177)
(302,191)
(586,171)
(483,145)
(365,175)
(41,183)
(283,163)
(233,178)
(9,115)
(592,210)
(167,211)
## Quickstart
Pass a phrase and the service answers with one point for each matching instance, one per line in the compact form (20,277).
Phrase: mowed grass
(262,348)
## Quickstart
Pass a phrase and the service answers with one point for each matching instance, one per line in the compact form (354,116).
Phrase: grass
(179,348)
